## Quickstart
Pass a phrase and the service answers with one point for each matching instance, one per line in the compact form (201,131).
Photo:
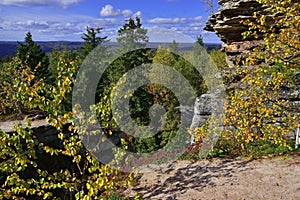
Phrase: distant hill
(10,48)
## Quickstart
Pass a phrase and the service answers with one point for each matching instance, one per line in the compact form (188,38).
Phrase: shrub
(79,174)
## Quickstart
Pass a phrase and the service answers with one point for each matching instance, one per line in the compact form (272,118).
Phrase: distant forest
(10,48)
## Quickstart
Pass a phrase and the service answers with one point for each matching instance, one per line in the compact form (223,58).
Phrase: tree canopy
(132,35)
(91,40)
(32,55)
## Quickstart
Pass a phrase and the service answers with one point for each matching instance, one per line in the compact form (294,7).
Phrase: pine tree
(31,54)
(91,40)
(132,35)
(200,40)
(174,47)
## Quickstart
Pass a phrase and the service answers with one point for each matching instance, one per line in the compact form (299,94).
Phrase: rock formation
(207,105)
(226,23)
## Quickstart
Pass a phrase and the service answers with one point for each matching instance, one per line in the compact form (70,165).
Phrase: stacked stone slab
(226,23)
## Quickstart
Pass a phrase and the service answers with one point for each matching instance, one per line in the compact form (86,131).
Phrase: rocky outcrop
(237,52)
(207,105)
(210,105)
(41,129)
(226,23)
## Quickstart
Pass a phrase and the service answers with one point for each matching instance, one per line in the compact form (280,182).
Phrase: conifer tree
(174,47)
(132,35)
(31,54)
(200,40)
(91,40)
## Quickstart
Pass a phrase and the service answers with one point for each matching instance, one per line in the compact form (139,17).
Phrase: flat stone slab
(8,126)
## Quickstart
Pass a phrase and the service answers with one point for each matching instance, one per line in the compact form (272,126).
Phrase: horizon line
(167,42)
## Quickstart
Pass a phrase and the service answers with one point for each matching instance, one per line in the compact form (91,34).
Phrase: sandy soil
(217,179)
(268,179)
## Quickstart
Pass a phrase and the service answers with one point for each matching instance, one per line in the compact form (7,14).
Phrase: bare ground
(217,179)
(268,179)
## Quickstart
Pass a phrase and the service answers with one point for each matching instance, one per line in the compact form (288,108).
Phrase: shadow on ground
(173,179)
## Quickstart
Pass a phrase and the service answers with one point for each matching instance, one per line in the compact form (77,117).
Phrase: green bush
(219,57)
(33,170)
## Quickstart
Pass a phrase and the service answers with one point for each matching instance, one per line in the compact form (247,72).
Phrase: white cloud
(161,29)
(210,37)
(109,11)
(159,34)
(43,26)
(137,14)
(126,13)
(199,24)
(198,18)
(182,20)
(33,24)
(62,3)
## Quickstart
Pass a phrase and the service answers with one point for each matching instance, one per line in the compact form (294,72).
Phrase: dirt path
(267,179)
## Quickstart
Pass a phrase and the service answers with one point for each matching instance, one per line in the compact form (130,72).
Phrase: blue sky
(52,20)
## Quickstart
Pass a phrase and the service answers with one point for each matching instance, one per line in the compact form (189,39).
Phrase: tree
(174,46)
(200,40)
(91,40)
(25,172)
(210,4)
(8,73)
(132,35)
(32,55)
(56,58)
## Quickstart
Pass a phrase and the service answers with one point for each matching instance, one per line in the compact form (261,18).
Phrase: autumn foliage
(257,113)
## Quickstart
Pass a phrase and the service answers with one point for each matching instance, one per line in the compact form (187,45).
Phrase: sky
(66,20)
